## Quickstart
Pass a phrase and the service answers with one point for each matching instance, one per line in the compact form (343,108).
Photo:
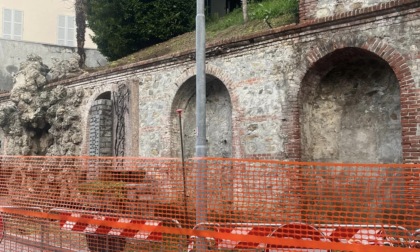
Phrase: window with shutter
(66,30)
(12,24)
(17,25)
(61,40)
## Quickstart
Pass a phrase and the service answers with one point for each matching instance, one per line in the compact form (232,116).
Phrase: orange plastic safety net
(141,204)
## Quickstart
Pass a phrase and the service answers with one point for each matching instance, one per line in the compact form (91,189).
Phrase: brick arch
(398,63)
(396,60)
(210,69)
(227,82)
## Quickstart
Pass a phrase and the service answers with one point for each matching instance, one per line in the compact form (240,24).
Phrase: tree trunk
(80,8)
(245,10)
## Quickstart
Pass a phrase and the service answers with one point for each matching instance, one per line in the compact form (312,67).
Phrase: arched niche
(350,110)
(100,126)
(218,118)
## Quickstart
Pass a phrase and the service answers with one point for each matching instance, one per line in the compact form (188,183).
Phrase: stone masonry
(343,85)
(266,79)
(313,9)
(14,52)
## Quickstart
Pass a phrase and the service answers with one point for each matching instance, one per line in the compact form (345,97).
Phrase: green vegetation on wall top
(122,27)
(132,41)
(263,10)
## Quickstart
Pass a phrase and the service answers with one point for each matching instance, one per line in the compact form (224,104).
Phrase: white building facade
(41,21)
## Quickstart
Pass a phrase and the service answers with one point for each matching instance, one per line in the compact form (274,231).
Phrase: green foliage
(122,27)
(231,19)
(257,10)
(273,8)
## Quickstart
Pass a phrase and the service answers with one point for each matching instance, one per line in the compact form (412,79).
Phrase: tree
(123,27)
(245,10)
(80,9)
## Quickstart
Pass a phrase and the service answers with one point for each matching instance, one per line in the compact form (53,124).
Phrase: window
(66,30)
(12,24)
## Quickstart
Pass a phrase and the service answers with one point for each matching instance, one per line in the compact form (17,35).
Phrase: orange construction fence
(156,204)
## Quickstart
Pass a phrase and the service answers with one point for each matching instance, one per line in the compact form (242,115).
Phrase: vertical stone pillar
(133,119)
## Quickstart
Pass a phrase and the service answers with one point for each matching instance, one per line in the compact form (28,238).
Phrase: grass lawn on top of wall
(263,16)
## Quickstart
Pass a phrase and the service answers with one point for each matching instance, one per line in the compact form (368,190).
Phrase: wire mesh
(142,204)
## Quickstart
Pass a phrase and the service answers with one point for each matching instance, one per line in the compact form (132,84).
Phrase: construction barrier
(145,204)
(14,229)
(112,238)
